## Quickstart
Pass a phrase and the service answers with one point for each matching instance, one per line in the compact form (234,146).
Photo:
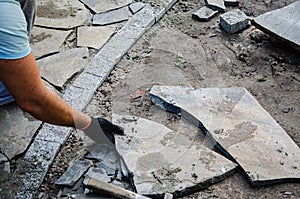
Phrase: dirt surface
(182,51)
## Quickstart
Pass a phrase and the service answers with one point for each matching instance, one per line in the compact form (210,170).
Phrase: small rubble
(234,21)
(204,14)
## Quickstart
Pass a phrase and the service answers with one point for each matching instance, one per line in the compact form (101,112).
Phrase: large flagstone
(99,6)
(164,161)
(242,129)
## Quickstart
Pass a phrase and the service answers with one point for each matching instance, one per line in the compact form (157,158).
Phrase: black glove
(102,131)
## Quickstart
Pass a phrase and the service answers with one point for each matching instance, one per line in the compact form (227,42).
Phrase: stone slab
(164,161)
(46,41)
(97,173)
(234,21)
(99,6)
(94,37)
(216,5)
(283,23)
(240,127)
(59,68)
(111,17)
(61,14)
(136,6)
(74,172)
(204,14)
(17,128)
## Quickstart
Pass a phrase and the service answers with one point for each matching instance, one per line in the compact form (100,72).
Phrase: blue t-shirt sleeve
(14,43)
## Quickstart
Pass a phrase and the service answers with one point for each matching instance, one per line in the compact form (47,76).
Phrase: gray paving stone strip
(240,127)
(80,93)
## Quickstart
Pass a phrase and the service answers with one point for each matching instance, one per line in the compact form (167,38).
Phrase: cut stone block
(94,37)
(111,17)
(46,41)
(74,172)
(231,2)
(16,130)
(240,127)
(59,68)
(204,14)
(99,6)
(216,5)
(164,161)
(136,6)
(234,21)
(61,14)
(283,23)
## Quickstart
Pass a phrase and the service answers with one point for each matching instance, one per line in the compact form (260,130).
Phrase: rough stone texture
(99,6)
(111,17)
(234,21)
(164,161)
(94,37)
(283,23)
(53,133)
(216,5)
(58,68)
(97,173)
(240,127)
(204,14)
(231,2)
(16,130)
(46,41)
(136,6)
(73,14)
(74,172)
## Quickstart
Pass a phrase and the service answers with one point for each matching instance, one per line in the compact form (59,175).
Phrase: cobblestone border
(50,138)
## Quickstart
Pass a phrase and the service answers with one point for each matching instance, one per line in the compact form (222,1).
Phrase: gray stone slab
(136,6)
(111,17)
(16,129)
(216,5)
(234,21)
(46,41)
(94,37)
(164,161)
(204,14)
(61,14)
(98,151)
(231,2)
(241,128)
(97,173)
(99,6)
(74,172)
(59,68)
(283,23)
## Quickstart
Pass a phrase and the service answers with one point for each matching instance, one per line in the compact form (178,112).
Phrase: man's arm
(22,78)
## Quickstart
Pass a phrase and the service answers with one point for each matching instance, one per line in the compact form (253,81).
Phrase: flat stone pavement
(63,40)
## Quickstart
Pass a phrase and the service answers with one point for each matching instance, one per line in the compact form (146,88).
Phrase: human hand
(102,131)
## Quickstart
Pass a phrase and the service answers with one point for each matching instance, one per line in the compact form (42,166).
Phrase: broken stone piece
(99,6)
(231,2)
(136,6)
(204,14)
(216,5)
(74,172)
(234,21)
(98,151)
(111,17)
(241,129)
(164,161)
(59,68)
(96,173)
(94,37)
(282,24)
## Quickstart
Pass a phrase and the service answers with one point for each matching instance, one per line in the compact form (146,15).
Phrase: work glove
(102,131)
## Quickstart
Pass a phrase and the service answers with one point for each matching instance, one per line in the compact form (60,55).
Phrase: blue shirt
(14,43)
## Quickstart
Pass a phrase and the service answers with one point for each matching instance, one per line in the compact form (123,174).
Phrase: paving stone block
(234,21)
(74,172)
(231,2)
(59,68)
(216,5)
(283,24)
(136,6)
(41,37)
(71,14)
(105,5)
(53,133)
(204,14)
(78,97)
(16,129)
(240,127)
(111,17)
(164,161)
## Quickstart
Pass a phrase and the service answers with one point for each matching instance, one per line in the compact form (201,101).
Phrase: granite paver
(164,161)
(241,128)
(283,23)
(99,6)
(234,21)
